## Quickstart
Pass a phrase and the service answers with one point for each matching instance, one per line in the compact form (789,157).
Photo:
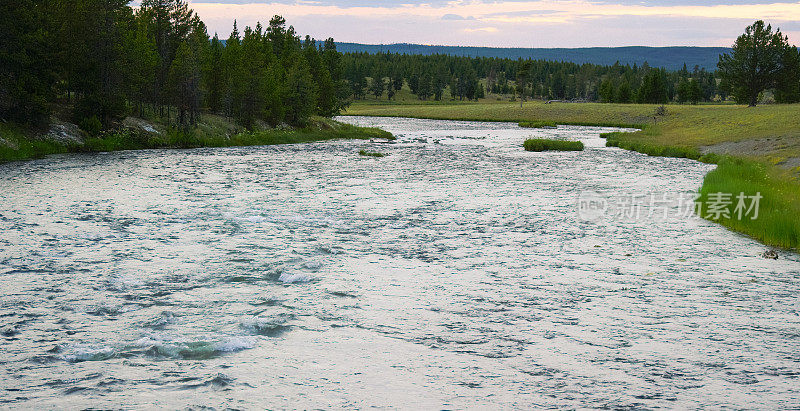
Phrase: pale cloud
(503,21)
(481,29)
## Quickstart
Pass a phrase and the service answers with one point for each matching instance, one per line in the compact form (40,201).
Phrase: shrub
(91,125)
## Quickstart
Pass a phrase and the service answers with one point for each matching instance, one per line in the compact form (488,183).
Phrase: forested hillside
(100,60)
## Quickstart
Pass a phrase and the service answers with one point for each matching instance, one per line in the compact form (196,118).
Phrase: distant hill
(671,58)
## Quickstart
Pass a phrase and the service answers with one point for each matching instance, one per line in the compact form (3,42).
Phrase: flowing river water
(453,273)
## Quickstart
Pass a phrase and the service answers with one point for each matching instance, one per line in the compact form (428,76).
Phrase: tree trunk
(753,100)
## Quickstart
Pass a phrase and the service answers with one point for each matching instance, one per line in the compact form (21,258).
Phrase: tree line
(470,78)
(104,59)
(760,61)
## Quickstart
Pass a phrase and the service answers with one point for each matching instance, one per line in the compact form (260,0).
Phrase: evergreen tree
(251,78)
(141,61)
(755,63)
(787,88)
(695,93)
(606,91)
(397,80)
(377,86)
(654,88)
(624,93)
(413,83)
(523,74)
(213,75)
(232,63)
(102,31)
(184,84)
(300,96)
(26,85)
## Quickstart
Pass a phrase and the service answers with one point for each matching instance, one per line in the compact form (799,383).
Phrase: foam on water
(454,273)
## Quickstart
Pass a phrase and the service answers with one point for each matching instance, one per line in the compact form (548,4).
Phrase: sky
(512,23)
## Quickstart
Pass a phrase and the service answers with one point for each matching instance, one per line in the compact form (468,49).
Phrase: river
(454,273)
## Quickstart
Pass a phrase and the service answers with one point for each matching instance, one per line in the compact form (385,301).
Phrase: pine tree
(213,75)
(141,62)
(695,93)
(683,91)
(624,93)
(327,101)
(755,63)
(26,84)
(184,84)
(233,74)
(787,88)
(300,95)
(606,91)
(378,86)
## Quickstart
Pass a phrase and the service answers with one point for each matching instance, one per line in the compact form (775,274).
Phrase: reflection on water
(453,273)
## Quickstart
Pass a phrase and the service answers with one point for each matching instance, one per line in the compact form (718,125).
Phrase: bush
(539,144)
(91,125)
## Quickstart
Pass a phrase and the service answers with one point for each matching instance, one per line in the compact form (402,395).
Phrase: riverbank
(17,143)
(757,149)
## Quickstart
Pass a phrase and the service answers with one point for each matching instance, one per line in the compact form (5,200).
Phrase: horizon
(511,47)
(511,23)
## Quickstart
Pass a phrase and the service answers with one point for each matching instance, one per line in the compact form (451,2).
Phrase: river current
(454,273)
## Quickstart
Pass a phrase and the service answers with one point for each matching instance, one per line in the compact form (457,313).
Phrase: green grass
(212,131)
(541,144)
(538,124)
(777,220)
(19,146)
(580,114)
(618,139)
(764,142)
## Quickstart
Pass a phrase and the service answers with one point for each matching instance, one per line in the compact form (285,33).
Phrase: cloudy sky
(512,23)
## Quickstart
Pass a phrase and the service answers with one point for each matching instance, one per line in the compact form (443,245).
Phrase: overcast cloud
(512,23)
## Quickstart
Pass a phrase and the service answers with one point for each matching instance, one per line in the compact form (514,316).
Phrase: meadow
(756,148)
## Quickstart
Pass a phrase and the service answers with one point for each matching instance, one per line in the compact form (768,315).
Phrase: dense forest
(102,59)
(671,58)
(469,78)
(761,60)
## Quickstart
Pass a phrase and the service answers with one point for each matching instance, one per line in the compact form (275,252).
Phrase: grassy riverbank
(757,148)
(17,143)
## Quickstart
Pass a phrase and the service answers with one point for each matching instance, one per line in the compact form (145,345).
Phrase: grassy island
(541,144)
(538,124)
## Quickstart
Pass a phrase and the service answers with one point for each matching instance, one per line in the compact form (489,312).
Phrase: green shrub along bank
(19,147)
(14,145)
(538,124)
(616,139)
(777,222)
(540,144)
